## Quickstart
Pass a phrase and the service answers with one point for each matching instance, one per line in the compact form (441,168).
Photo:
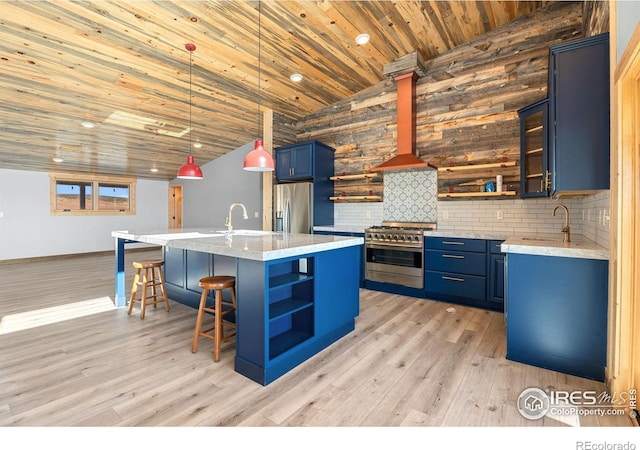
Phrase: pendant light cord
(190,124)
(259,65)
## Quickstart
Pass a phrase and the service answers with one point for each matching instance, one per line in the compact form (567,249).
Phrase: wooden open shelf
(477,166)
(477,194)
(357,198)
(355,176)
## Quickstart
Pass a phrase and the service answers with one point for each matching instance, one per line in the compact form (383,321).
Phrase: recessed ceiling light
(197,145)
(296,77)
(58,160)
(153,169)
(362,39)
(88,124)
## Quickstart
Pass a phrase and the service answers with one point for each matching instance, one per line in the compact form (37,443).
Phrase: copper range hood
(406,127)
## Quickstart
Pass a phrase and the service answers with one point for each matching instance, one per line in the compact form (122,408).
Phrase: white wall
(207,201)
(627,14)
(27,228)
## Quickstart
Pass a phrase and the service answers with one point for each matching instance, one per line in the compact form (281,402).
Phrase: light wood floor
(69,358)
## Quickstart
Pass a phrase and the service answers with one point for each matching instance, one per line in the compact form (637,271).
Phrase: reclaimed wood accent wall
(284,130)
(595,17)
(466,104)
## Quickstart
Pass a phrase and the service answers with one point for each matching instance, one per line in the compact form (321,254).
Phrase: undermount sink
(250,232)
(538,239)
(187,235)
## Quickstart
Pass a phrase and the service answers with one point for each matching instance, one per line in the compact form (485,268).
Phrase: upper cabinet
(579,115)
(534,179)
(308,161)
(564,140)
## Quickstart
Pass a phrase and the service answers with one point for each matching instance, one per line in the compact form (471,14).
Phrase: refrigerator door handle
(286,216)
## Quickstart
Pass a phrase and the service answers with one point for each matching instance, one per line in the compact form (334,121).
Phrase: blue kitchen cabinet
(306,161)
(556,313)
(347,233)
(534,150)
(579,115)
(183,270)
(313,162)
(564,140)
(293,308)
(496,279)
(457,270)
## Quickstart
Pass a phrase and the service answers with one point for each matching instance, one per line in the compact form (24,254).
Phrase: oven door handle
(393,245)
(453,256)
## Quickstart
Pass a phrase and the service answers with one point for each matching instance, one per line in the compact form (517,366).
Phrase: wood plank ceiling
(123,66)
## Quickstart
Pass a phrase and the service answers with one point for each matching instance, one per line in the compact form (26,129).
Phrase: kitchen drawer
(452,284)
(456,244)
(494,246)
(458,262)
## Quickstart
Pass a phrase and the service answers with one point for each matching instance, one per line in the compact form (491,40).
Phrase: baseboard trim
(72,255)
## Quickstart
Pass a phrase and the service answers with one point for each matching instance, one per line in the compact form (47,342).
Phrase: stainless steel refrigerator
(293,207)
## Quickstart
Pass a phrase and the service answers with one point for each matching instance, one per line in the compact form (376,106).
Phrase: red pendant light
(190,170)
(258,160)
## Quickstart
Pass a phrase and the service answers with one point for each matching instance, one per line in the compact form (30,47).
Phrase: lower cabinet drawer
(456,262)
(455,284)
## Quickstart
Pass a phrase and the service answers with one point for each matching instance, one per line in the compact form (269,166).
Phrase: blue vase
(490,187)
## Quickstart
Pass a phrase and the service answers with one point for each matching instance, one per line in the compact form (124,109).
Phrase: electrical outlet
(368,214)
(445,214)
(500,215)
(1,214)
(256,214)
(605,218)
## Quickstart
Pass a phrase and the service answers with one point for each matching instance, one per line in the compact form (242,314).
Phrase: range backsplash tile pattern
(410,196)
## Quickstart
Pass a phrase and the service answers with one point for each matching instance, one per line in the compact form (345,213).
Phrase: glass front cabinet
(534,173)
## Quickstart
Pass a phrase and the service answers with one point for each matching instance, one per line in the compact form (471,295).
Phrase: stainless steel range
(394,253)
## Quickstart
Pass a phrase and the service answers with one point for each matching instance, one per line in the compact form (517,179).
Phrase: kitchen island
(296,293)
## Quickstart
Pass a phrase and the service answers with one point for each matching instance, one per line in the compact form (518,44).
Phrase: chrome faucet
(227,223)
(566,231)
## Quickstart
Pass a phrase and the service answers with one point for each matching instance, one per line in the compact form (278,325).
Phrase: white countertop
(532,244)
(341,229)
(467,234)
(247,244)
(552,245)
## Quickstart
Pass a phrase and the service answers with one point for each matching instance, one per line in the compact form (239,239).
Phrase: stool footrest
(219,310)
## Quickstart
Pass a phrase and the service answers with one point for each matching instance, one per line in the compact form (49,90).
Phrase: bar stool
(220,310)
(152,278)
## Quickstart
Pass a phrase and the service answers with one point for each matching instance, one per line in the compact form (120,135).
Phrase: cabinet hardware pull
(453,243)
(453,256)
(453,278)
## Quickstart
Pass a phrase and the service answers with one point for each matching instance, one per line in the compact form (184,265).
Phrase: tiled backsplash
(588,216)
(596,214)
(411,196)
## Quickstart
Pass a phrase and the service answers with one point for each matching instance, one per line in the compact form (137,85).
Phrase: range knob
(376,236)
(396,237)
(416,238)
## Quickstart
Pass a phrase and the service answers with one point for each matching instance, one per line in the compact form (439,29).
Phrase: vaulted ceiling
(123,66)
